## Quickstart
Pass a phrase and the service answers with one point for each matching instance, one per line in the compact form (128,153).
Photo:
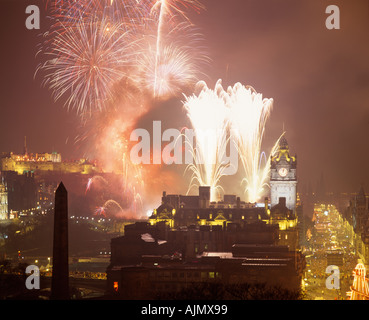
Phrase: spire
(361,193)
(25,146)
(360,198)
(283,144)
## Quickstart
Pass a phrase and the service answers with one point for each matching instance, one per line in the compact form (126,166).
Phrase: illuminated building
(182,211)
(3,200)
(356,222)
(46,191)
(286,220)
(283,179)
(43,163)
(302,223)
(283,195)
(32,178)
(359,289)
(360,211)
(21,189)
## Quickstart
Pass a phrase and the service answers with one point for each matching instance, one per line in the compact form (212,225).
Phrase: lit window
(115,286)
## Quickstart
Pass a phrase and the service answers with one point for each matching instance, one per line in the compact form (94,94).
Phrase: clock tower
(283,179)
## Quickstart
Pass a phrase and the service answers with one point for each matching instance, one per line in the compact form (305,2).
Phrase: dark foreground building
(150,261)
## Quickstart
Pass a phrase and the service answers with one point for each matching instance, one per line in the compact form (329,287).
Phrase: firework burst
(165,13)
(92,180)
(93,46)
(85,62)
(179,65)
(131,12)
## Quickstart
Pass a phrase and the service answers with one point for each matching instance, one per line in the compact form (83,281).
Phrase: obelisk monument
(60,271)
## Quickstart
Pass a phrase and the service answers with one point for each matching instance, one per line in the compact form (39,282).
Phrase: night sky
(318,78)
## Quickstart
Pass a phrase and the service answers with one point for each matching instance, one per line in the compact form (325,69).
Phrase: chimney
(204,197)
(60,271)
(282,201)
(238,202)
(164,197)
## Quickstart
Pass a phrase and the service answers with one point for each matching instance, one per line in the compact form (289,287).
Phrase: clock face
(283,172)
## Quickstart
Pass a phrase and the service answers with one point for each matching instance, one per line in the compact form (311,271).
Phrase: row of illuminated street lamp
(328,240)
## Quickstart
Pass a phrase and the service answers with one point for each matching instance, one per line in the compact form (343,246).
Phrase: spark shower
(241,111)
